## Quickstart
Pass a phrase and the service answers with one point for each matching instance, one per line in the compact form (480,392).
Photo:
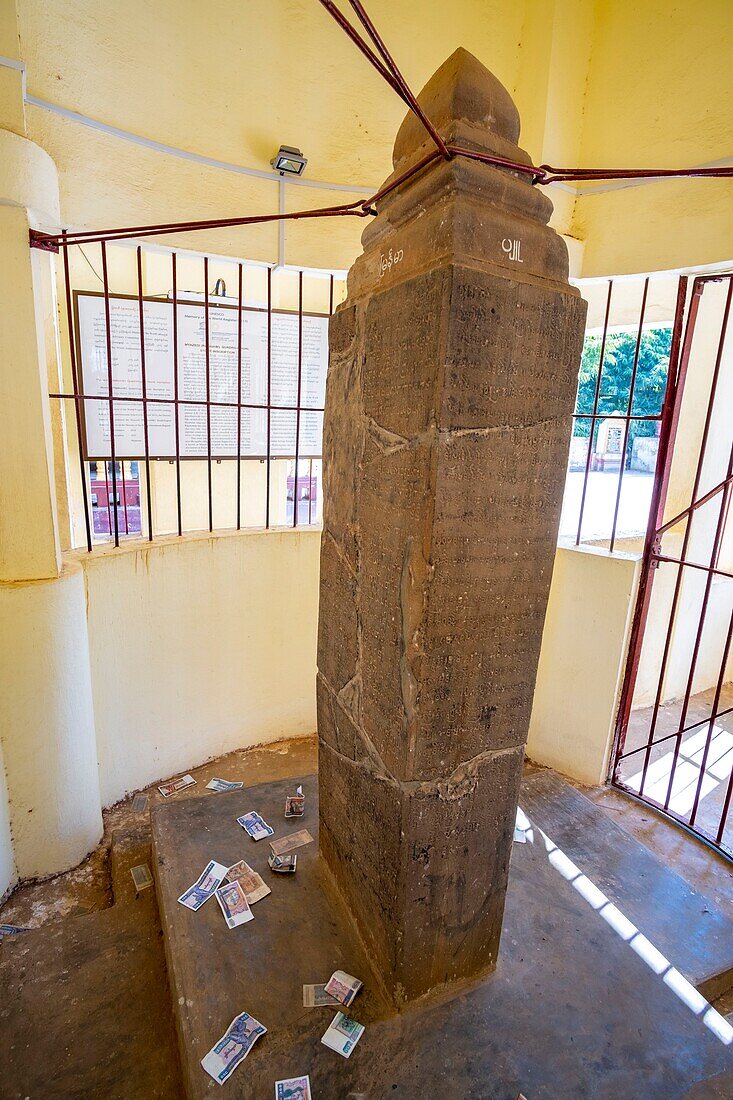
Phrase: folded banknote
(207,883)
(233,1047)
(255,825)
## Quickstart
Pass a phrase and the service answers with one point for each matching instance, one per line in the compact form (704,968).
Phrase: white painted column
(47,724)
(50,811)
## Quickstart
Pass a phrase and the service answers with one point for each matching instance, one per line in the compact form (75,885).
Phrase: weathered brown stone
(453,369)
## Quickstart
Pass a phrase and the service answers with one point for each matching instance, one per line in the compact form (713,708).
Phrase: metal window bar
(629,407)
(119,517)
(593,418)
(108,335)
(712,830)
(176,395)
(240,277)
(208,391)
(625,419)
(124,496)
(711,725)
(298,398)
(269,397)
(669,736)
(77,405)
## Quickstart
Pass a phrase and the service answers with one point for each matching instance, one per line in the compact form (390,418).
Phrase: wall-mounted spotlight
(290,161)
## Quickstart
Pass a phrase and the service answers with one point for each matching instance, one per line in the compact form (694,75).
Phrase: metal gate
(674,736)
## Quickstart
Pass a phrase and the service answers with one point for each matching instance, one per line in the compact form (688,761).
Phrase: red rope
(385,65)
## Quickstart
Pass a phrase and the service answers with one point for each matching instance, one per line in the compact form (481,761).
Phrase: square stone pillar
(454,363)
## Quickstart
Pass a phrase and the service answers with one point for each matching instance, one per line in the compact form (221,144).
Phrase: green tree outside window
(618,365)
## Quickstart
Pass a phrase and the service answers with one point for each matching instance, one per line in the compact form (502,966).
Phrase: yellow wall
(582,661)
(659,95)
(199,646)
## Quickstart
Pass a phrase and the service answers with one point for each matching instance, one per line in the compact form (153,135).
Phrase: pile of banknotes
(343,987)
(254,886)
(237,888)
(315,996)
(342,1033)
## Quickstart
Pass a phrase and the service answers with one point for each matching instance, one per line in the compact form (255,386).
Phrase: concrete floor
(718,763)
(579,1006)
(538,1007)
(89,886)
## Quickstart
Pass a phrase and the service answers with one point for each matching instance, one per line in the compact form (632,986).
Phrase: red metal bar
(108,326)
(711,725)
(594,416)
(357,209)
(175,393)
(130,398)
(537,174)
(143,375)
(239,400)
(310,491)
(298,398)
(694,506)
(617,416)
(555,175)
(724,812)
(124,495)
(692,565)
(670,736)
(726,507)
(269,395)
(679,357)
(77,405)
(106,493)
(208,391)
(628,413)
(361,208)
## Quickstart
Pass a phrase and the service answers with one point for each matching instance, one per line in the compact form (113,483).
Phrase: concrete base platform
(579,1006)
(85,1009)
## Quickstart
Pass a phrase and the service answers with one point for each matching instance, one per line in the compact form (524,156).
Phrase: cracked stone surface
(450,394)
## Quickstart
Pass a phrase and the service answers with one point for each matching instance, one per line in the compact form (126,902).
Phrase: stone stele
(454,364)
